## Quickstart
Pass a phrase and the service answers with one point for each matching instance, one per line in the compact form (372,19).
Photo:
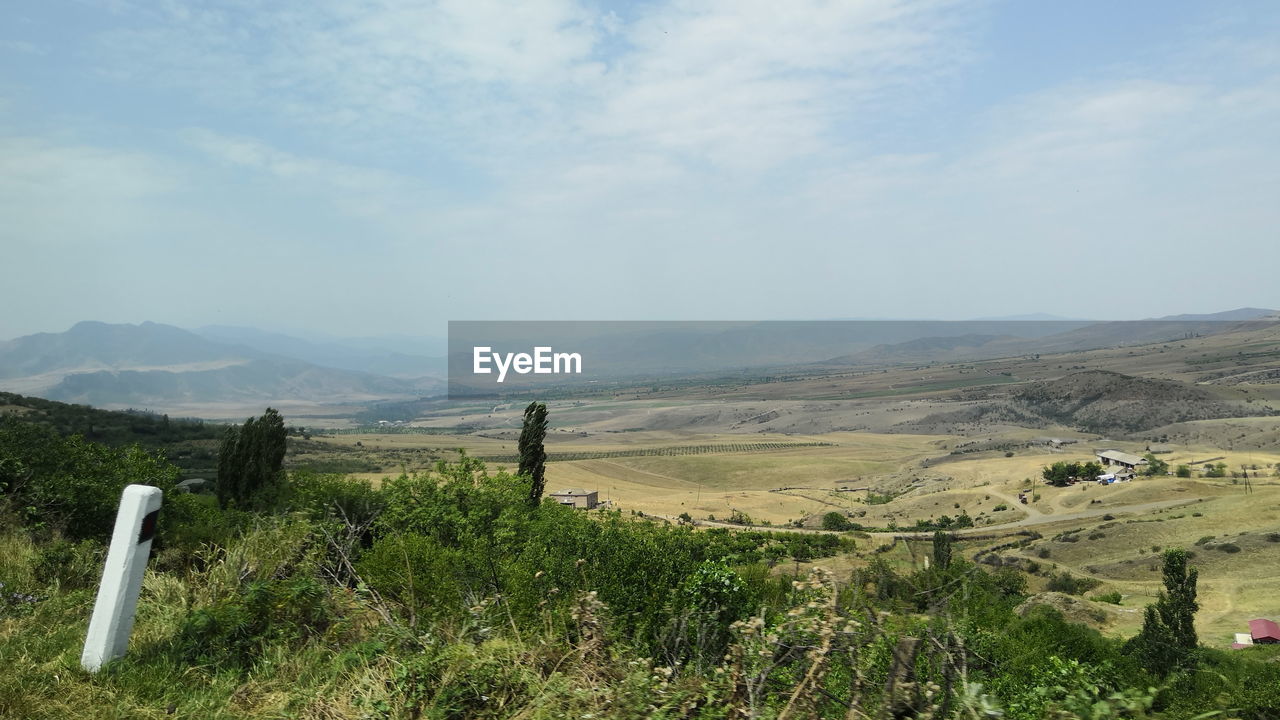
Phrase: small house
(1264,631)
(577,497)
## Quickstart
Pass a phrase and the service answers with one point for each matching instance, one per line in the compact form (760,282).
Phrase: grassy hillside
(189,444)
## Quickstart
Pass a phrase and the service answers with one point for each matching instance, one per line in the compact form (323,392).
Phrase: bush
(418,574)
(233,632)
(70,565)
(69,485)
(1112,597)
(1065,582)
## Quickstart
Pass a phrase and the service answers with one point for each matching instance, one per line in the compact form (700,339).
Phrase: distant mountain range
(1066,336)
(159,366)
(367,355)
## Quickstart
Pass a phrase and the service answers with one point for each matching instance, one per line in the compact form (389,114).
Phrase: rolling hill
(161,366)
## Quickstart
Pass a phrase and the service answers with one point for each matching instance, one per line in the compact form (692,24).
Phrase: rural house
(1264,631)
(1125,460)
(578,498)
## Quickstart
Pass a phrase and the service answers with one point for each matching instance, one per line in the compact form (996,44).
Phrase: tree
(1090,471)
(1184,471)
(1155,466)
(250,461)
(1168,637)
(1060,473)
(533,456)
(835,520)
(942,550)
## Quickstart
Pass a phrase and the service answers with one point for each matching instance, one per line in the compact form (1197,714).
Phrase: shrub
(1067,583)
(70,485)
(1112,597)
(233,632)
(415,572)
(1205,539)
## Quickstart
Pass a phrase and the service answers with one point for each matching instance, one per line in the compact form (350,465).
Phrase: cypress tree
(1168,637)
(941,550)
(533,456)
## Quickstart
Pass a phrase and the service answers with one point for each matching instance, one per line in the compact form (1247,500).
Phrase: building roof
(574,492)
(1121,457)
(1262,629)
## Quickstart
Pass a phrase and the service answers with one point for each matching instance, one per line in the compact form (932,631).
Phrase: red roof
(1264,630)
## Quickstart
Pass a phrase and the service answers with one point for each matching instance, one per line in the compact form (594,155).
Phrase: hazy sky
(366,167)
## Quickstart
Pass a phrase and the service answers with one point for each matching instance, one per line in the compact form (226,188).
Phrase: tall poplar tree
(1168,637)
(533,456)
(250,461)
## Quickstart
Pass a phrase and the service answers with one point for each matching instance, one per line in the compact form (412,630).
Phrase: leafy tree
(1168,637)
(249,463)
(836,521)
(1216,471)
(533,456)
(1090,471)
(1184,471)
(1155,466)
(1060,473)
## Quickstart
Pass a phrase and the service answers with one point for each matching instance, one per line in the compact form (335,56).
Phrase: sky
(367,167)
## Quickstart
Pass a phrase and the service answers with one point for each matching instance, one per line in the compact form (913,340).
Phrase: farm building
(1129,461)
(1264,631)
(578,498)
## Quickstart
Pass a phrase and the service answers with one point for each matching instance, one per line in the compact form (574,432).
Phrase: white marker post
(112,621)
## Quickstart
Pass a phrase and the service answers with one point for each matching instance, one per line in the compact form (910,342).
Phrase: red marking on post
(148,530)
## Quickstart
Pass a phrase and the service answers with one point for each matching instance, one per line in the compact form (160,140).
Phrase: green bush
(233,632)
(416,572)
(1067,583)
(69,485)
